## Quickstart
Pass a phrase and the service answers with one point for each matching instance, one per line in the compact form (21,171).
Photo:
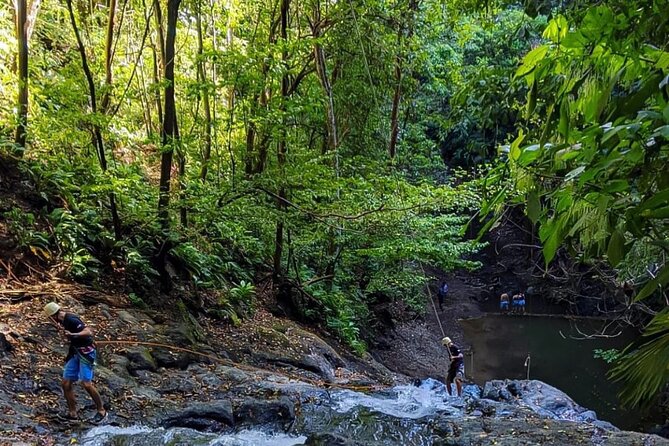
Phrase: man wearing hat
(456,369)
(80,360)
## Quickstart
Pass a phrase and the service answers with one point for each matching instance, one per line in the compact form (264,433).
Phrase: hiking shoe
(68,417)
(99,418)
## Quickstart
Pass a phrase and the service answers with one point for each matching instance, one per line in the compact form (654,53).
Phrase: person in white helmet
(80,360)
(456,369)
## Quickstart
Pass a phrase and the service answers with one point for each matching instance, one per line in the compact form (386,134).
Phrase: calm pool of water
(558,356)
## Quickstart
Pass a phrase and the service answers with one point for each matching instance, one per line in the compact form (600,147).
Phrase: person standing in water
(80,360)
(456,369)
(504,303)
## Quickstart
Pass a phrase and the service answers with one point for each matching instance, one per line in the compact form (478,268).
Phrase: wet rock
(213,416)
(329,440)
(140,359)
(262,412)
(486,407)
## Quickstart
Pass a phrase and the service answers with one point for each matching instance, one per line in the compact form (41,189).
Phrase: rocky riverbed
(178,380)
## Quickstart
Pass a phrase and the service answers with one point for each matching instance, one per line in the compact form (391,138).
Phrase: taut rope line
(429,293)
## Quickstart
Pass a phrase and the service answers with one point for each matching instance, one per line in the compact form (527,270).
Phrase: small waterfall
(413,402)
(401,415)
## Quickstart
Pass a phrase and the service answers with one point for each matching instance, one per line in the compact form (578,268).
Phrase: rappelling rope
(429,293)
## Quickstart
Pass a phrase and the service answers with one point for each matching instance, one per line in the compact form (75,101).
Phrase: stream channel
(419,415)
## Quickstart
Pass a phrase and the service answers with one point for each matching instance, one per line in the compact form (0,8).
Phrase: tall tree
(169,128)
(318,25)
(204,94)
(405,28)
(109,54)
(97,130)
(281,147)
(22,109)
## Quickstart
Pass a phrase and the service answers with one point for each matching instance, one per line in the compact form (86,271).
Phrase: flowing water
(560,355)
(398,416)
(144,436)
(407,415)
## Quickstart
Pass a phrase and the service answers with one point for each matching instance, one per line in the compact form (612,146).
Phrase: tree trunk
(397,98)
(156,81)
(204,94)
(97,131)
(321,70)
(106,95)
(22,109)
(159,57)
(32,17)
(281,148)
(169,128)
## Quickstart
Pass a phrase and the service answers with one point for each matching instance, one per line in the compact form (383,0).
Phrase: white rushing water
(401,401)
(389,417)
(143,435)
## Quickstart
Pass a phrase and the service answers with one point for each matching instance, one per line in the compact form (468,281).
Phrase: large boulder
(140,359)
(253,411)
(213,416)
(543,399)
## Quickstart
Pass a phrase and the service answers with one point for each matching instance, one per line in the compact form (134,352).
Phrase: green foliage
(590,163)
(609,356)
(348,214)
(136,300)
(643,366)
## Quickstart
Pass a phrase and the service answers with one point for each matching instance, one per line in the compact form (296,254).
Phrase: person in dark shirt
(441,294)
(80,360)
(456,369)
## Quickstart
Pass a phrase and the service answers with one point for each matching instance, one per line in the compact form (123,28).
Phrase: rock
(143,376)
(232,374)
(5,346)
(170,360)
(126,317)
(146,393)
(117,385)
(140,359)
(329,440)
(487,408)
(312,363)
(118,364)
(262,412)
(209,379)
(543,399)
(213,416)
(316,345)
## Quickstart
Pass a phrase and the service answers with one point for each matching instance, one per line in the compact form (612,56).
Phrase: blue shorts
(521,303)
(504,305)
(79,369)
